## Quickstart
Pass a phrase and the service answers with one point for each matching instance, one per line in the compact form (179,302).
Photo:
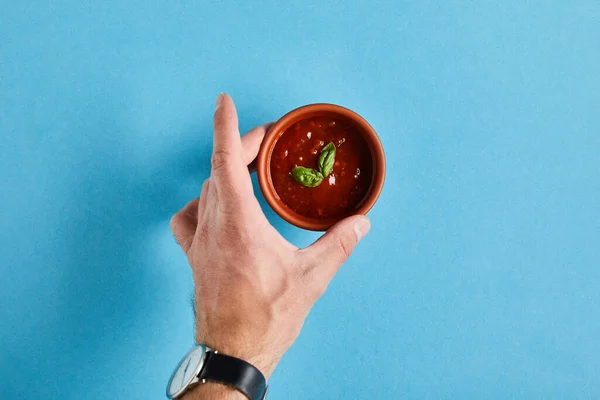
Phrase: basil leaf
(326,159)
(307,176)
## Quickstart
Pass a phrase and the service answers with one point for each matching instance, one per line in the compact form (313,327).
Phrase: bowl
(314,112)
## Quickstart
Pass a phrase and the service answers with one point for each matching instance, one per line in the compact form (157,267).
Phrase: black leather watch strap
(234,373)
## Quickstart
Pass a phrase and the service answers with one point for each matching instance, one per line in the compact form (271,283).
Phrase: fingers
(227,145)
(231,181)
(252,140)
(183,224)
(325,256)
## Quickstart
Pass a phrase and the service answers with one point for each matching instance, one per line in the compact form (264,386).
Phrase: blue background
(480,277)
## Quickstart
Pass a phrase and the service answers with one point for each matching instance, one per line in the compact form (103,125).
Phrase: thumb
(329,252)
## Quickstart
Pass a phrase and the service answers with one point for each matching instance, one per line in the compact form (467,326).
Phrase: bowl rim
(301,113)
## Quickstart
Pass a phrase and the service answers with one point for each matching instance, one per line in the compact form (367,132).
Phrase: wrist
(213,391)
(264,361)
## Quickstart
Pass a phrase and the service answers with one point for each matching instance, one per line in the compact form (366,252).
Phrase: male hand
(253,289)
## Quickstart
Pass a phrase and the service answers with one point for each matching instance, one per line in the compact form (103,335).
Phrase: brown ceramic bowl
(310,111)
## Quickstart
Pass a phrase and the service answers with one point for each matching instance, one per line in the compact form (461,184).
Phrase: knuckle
(220,159)
(344,246)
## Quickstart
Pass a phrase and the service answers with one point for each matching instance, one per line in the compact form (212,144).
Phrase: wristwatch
(202,364)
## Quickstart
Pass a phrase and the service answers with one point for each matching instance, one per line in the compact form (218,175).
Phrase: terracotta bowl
(309,111)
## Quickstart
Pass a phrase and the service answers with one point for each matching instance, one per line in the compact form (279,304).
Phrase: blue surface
(480,278)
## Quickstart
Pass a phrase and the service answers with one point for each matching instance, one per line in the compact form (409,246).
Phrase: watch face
(187,370)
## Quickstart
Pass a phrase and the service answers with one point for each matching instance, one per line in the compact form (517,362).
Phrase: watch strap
(234,373)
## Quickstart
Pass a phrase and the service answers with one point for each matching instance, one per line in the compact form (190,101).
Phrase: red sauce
(342,191)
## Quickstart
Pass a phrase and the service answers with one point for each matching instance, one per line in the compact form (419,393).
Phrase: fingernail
(219,100)
(362,227)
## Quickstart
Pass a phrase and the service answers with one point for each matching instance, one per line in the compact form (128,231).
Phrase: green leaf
(326,159)
(307,176)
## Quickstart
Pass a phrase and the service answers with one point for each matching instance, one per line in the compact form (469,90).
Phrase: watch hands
(185,370)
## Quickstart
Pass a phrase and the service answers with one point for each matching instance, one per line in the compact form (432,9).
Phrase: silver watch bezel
(194,377)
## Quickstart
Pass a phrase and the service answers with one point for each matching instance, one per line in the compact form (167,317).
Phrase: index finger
(228,168)
(227,144)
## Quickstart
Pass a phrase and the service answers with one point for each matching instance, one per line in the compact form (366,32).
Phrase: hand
(253,289)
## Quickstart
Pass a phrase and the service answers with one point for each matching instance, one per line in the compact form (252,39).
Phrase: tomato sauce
(343,190)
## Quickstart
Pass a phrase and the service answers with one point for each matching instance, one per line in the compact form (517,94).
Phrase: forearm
(213,391)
